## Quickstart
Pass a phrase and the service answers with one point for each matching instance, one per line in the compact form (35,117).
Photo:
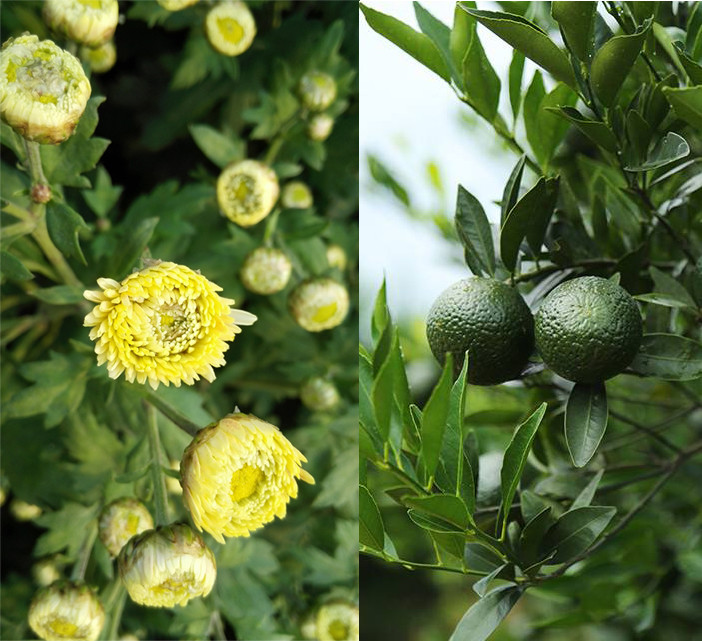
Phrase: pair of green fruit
(587,329)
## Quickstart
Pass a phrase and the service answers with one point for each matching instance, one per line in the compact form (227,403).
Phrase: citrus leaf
(381,174)
(588,492)
(668,285)
(433,523)
(577,22)
(585,421)
(595,130)
(440,35)
(474,232)
(532,536)
(668,356)
(447,507)
(481,84)
(576,531)
(370,531)
(664,300)
(510,195)
(381,313)
(516,71)
(434,418)
(667,150)
(687,103)
(481,586)
(461,33)
(482,618)
(480,558)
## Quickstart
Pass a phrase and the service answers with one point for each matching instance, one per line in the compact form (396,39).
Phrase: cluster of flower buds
(317,91)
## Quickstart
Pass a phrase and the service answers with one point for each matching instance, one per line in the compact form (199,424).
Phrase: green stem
(116,615)
(36,171)
(81,565)
(420,566)
(549,269)
(170,412)
(56,258)
(159,483)
(280,138)
(217,626)
(270,227)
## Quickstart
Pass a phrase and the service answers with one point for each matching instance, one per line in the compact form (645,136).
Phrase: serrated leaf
(104,195)
(585,421)
(474,232)
(63,525)
(481,620)
(64,226)
(669,357)
(219,148)
(133,246)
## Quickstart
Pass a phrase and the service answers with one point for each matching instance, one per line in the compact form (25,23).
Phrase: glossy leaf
(433,523)
(595,130)
(480,558)
(434,418)
(532,536)
(480,587)
(670,148)
(481,84)
(516,71)
(668,285)
(447,507)
(381,314)
(576,531)
(439,34)
(510,195)
(370,531)
(585,421)
(577,22)
(588,492)
(481,620)
(668,356)
(687,103)
(461,34)
(474,232)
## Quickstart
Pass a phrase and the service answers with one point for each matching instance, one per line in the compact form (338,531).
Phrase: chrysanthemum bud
(319,394)
(266,271)
(90,22)
(43,89)
(296,195)
(100,59)
(319,304)
(317,90)
(120,521)
(230,28)
(45,571)
(239,474)
(163,324)
(247,191)
(177,5)
(172,483)
(336,257)
(167,566)
(320,127)
(40,193)
(24,511)
(338,621)
(66,610)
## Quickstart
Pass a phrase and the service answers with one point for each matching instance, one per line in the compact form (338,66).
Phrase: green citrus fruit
(588,329)
(488,319)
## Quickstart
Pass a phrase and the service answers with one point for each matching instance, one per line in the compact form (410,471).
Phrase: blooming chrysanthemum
(45,571)
(320,127)
(318,304)
(43,89)
(230,28)
(337,621)
(319,394)
(101,59)
(317,90)
(266,270)
(336,257)
(247,191)
(239,474)
(120,521)
(90,22)
(296,195)
(167,566)
(177,5)
(24,511)
(163,324)
(66,610)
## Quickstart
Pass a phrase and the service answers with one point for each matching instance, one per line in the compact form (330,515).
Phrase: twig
(646,430)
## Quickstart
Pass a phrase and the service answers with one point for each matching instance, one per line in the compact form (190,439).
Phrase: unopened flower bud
(90,22)
(296,195)
(45,571)
(40,194)
(266,271)
(43,89)
(177,5)
(120,521)
(319,395)
(320,127)
(336,257)
(100,59)
(66,610)
(24,511)
(338,621)
(319,304)
(230,28)
(247,191)
(317,90)
(167,566)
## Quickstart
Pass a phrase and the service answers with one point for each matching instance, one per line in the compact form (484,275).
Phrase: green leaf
(585,421)
(516,71)
(64,225)
(588,492)
(433,523)
(687,103)
(666,284)
(515,459)
(664,300)
(434,418)
(13,268)
(668,356)
(370,530)
(447,507)
(382,175)
(440,35)
(481,586)
(529,39)
(461,33)
(532,536)
(577,22)
(133,246)
(383,389)
(528,218)
(480,558)
(576,530)
(474,232)
(692,68)
(481,84)
(381,313)
(510,195)
(417,45)
(595,130)
(670,148)
(59,295)
(220,149)
(62,526)
(613,61)
(624,212)
(482,618)
(103,196)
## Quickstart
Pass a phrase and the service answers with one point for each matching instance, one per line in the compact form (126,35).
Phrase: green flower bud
(120,521)
(338,621)
(319,395)
(90,22)
(23,511)
(247,191)
(336,257)
(45,571)
(296,195)
(177,5)
(317,90)
(320,127)
(43,89)
(101,59)
(319,304)
(66,610)
(230,28)
(266,271)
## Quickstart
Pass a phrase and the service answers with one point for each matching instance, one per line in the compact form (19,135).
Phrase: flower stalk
(157,479)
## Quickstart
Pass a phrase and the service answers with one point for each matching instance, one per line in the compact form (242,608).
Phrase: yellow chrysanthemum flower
(319,394)
(239,474)
(24,511)
(163,324)
(90,22)
(319,304)
(45,571)
(167,566)
(177,5)
(43,89)
(319,127)
(120,521)
(338,621)
(317,90)
(296,195)
(101,59)
(266,271)
(66,610)
(247,191)
(336,257)
(230,28)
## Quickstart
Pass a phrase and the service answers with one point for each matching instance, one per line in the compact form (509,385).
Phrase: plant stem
(217,626)
(270,227)
(171,413)
(116,616)
(159,483)
(646,430)
(549,269)
(419,566)
(280,137)
(81,565)
(36,171)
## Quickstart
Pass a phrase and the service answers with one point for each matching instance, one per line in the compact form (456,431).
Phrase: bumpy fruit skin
(588,329)
(491,321)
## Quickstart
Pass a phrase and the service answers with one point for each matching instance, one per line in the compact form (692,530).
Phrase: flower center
(93,4)
(244,482)
(338,630)
(63,628)
(324,313)
(242,193)
(179,582)
(42,76)
(230,29)
(175,324)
